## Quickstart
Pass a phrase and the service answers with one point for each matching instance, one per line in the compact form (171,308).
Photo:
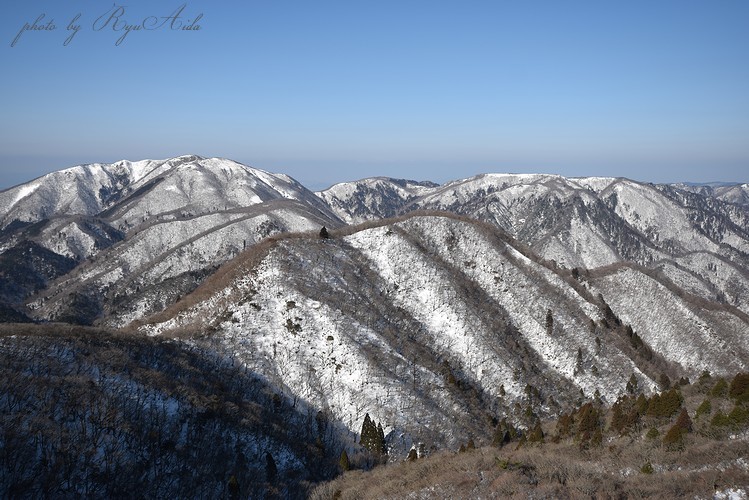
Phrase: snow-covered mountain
(699,241)
(129,193)
(378,197)
(124,239)
(732,193)
(449,307)
(429,323)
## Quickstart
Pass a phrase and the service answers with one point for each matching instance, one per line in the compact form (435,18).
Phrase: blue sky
(332,91)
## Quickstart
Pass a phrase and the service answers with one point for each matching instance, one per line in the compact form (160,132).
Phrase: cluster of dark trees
(373,438)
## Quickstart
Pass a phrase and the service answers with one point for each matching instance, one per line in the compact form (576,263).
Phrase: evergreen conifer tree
(632,384)
(653,433)
(368,431)
(739,389)
(704,409)
(664,382)
(536,434)
(344,462)
(373,437)
(720,389)
(683,421)
(618,418)
(381,440)
(674,438)
(270,468)
(233,487)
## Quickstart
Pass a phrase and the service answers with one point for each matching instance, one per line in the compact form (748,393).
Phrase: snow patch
(23,192)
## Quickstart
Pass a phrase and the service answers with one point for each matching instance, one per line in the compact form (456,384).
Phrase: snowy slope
(592,222)
(355,202)
(385,319)
(173,221)
(81,190)
(696,335)
(731,193)
(156,265)
(195,186)
(432,323)
(181,218)
(179,417)
(127,193)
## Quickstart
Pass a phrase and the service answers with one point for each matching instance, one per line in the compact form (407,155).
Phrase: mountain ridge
(261,311)
(589,222)
(437,311)
(702,245)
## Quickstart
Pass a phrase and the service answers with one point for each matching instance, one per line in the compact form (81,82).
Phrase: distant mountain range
(434,308)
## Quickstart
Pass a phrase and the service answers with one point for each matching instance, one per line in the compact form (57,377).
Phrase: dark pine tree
(368,431)
(343,462)
(739,389)
(632,384)
(233,487)
(665,382)
(373,438)
(683,421)
(381,440)
(270,468)
(537,434)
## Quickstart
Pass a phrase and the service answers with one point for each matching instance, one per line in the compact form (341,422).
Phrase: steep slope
(159,263)
(700,240)
(128,193)
(432,324)
(94,413)
(356,202)
(24,269)
(563,219)
(695,334)
(194,186)
(731,193)
(164,225)
(80,190)
(140,235)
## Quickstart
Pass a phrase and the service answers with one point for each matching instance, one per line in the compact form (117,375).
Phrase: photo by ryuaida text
(117,19)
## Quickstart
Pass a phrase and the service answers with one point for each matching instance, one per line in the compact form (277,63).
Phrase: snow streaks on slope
(696,338)
(381,320)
